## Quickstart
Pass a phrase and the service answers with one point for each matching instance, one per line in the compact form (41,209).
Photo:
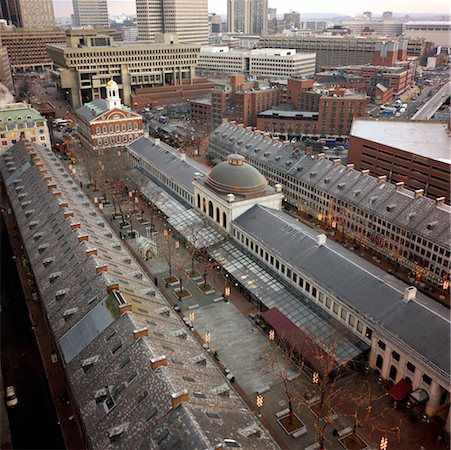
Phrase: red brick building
(318,114)
(415,153)
(107,124)
(200,113)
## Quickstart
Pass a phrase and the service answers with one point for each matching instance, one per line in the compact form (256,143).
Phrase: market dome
(235,176)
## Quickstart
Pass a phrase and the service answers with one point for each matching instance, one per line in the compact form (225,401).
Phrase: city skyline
(348,7)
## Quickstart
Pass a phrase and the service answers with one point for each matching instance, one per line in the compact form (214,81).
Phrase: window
(328,302)
(307,286)
(335,308)
(351,320)
(395,355)
(314,291)
(381,345)
(368,333)
(301,282)
(343,313)
(410,367)
(393,372)
(379,362)
(321,297)
(427,380)
(359,326)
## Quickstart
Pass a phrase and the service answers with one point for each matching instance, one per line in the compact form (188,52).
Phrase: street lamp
(271,335)
(384,443)
(315,378)
(259,402)
(207,340)
(191,317)
(226,293)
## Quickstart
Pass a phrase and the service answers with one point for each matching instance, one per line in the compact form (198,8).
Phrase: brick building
(325,113)
(200,114)
(415,153)
(242,100)
(107,124)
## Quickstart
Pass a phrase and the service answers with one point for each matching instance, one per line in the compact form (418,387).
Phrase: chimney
(39,165)
(440,200)
(337,162)
(51,185)
(410,293)
(179,397)
(182,156)
(365,171)
(125,308)
(91,252)
(63,204)
(56,194)
(320,156)
(230,198)
(308,150)
(276,138)
(419,192)
(321,239)
(399,185)
(278,187)
(140,332)
(350,166)
(158,361)
(83,238)
(43,171)
(382,178)
(68,214)
(157,141)
(75,225)
(112,287)
(102,268)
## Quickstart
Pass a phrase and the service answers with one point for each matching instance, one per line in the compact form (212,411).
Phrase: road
(432,106)
(33,421)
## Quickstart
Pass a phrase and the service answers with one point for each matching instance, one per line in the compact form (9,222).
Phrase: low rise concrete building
(86,63)
(262,63)
(437,31)
(19,121)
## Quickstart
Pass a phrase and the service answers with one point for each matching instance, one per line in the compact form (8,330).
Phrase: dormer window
(326,180)
(431,225)
(357,193)
(42,248)
(69,313)
(341,185)
(48,261)
(60,294)
(313,174)
(54,276)
(391,207)
(89,362)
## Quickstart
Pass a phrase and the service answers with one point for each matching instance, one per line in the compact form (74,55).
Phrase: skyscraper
(186,18)
(247,16)
(28,13)
(90,13)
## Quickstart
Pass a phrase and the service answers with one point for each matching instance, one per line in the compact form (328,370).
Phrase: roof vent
(89,362)
(326,180)
(410,293)
(115,433)
(341,185)
(411,215)
(357,192)
(431,225)
(231,443)
(313,174)
(266,154)
(391,207)
(277,158)
(321,239)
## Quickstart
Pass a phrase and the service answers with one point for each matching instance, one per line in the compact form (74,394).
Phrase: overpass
(434,103)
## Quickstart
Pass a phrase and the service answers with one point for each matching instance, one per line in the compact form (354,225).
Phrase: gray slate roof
(412,324)
(104,363)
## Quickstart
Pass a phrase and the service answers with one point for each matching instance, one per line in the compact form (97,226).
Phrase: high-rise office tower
(188,19)
(90,13)
(28,13)
(259,17)
(247,16)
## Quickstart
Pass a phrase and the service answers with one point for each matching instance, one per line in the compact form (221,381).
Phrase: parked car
(11,398)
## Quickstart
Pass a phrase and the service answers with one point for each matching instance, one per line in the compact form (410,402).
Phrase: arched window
(224,220)
(104,129)
(98,130)
(379,362)
(210,209)
(136,125)
(218,217)
(204,205)
(129,126)
(393,372)
(408,380)
(118,128)
(111,128)
(198,201)
(124,128)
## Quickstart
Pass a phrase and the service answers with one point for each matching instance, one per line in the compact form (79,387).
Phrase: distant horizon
(63,8)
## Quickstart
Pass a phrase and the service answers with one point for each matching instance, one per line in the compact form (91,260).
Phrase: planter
(180,294)
(353,442)
(171,281)
(206,288)
(291,424)
(193,274)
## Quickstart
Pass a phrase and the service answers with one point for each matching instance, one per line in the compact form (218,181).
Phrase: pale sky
(343,7)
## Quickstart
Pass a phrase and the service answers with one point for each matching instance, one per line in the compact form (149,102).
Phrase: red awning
(400,390)
(315,356)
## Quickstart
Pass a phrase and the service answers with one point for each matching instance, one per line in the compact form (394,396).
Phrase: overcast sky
(349,7)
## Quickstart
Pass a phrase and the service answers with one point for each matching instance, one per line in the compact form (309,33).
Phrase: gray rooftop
(77,261)
(96,108)
(415,326)
(270,155)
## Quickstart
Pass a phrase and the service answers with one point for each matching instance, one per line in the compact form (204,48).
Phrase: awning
(400,390)
(420,395)
(315,356)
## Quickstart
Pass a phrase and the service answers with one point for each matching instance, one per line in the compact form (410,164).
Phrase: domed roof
(234,176)
(111,83)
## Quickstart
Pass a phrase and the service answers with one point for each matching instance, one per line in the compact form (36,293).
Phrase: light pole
(259,402)
(384,443)
(207,340)
(191,317)
(271,335)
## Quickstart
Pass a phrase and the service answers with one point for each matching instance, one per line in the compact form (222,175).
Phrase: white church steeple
(112,95)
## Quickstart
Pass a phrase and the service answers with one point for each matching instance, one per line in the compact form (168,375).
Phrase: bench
(283,413)
(344,432)
(193,306)
(263,389)
(217,300)
(313,446)
(314,399)
(300,432)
